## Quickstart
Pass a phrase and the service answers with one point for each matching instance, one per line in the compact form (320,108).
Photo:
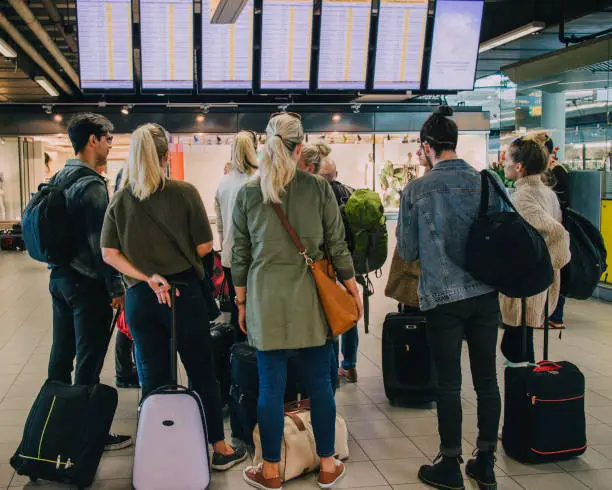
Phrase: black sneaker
(482,469)
(116,441)
(221,462)
(444,474)
(129,382)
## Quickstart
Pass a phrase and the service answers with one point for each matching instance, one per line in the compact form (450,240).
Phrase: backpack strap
(485,177)
(68,182)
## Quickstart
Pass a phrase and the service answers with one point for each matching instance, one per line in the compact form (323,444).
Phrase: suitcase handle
(547,366)
(173,347)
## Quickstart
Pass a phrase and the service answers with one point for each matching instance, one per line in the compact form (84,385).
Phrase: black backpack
(583,272)
(48,229)
(504,251)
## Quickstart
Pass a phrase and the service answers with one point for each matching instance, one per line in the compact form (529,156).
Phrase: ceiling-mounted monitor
(343,50)
(401,39)
(166,44)
(105,44)
(285,44)
(227,50)
(454,50)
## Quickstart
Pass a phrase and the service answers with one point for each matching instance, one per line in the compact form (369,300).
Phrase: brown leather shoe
(349,374)
(254,477)
(328,480)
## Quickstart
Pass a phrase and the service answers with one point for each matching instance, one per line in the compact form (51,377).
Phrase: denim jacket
(87,200)
(435,216)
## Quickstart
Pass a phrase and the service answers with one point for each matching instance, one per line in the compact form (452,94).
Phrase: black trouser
(150,324)
(125,370)
(512,344)
(232,294)
(82,318)
(478,319)
(240,336)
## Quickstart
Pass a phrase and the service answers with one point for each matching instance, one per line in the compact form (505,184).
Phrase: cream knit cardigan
(538,204)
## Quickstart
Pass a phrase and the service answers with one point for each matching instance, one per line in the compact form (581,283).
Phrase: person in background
(277,298)
(559,177)
(244,165)
(526,163)
(350,339)
(48,168)
(435,216)
(313,155)
(227,168)
(154,233)
(85,292)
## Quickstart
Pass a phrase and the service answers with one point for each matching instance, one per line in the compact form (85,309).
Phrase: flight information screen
(401,38)
(227,50)
(286,40)
(343,52)
(454,51)
(105,44)
(166,39)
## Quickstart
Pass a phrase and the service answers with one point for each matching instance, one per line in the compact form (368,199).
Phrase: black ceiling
(582,17)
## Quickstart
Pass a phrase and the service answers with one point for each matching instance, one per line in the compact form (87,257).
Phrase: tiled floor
(387,444)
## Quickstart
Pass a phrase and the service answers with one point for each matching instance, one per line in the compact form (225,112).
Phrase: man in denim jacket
(85,292)
(436,213)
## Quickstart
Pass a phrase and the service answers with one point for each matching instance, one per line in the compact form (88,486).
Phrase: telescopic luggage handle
(173,343)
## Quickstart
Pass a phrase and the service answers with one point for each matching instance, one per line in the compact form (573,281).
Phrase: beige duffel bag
(298,448)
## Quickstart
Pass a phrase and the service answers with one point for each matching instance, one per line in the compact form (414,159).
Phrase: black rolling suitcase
(544,418)
(65,432)
(223,337)
(408,370)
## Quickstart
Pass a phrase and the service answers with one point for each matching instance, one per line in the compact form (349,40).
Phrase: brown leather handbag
(338,304)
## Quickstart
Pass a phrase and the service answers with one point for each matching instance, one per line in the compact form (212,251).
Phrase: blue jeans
(315,376)
(557,315)
(82,318)
(350,343)
(150,324)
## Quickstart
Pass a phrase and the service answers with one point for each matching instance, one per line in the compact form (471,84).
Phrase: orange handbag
(338,304)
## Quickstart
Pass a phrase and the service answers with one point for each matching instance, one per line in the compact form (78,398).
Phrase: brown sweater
(538,204)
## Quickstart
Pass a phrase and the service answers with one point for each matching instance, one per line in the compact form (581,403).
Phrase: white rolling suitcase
(171,440)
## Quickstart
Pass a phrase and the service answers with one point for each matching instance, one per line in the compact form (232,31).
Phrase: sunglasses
(292,114)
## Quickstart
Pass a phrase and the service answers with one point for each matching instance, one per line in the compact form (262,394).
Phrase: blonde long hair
(244,153)
(278,163)
(314,154)
(144,173)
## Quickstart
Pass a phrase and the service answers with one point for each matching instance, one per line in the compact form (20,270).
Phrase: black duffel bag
(504,251)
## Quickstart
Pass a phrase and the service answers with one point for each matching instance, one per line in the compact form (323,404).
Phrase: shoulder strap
(292,233)
(165,230)
(485,177)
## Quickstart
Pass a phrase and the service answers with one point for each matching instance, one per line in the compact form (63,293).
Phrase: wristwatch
(237,302)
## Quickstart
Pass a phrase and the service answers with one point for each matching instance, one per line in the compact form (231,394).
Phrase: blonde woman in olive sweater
(538,204)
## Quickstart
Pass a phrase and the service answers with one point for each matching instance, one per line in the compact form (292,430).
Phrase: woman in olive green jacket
(277,297)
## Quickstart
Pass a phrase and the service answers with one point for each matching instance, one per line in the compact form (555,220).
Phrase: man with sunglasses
(85,292)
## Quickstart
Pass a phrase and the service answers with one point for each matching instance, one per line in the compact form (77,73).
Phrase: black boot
(444,474)
(482,469)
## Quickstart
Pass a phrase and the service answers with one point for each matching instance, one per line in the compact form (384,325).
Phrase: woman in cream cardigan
(538,204)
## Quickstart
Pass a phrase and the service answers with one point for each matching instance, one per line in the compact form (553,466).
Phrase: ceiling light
(200,118)
(125,110)
(336,117)
(58,118)
(6,50)
(46,86)
(513,35)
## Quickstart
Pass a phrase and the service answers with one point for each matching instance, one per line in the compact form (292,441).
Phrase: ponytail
(144,174)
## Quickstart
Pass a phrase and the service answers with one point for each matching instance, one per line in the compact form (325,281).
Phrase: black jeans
(125,370)
(478,319)
(82,318)
(512,344)
(150,324)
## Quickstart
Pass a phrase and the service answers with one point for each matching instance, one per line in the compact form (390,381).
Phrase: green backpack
(366,219)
